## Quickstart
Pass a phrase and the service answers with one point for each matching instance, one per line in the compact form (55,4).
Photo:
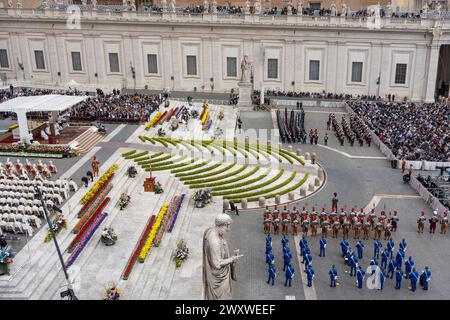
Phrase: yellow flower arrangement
(99,183)
(153,121)
(155,227)
(205,114)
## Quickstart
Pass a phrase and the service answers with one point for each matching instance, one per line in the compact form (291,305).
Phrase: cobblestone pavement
(356,181)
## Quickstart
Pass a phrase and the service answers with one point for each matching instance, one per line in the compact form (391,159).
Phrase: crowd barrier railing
(426,195)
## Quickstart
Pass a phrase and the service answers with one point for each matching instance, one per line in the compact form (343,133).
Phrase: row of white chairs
(29,210)
(15,227)
(32,219)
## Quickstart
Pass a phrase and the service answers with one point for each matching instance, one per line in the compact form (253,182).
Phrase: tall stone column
(432,72)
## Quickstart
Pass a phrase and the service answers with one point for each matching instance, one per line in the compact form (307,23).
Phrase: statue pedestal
(149,184)
(245,92)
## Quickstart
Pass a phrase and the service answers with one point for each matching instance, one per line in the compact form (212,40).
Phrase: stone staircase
(88,139)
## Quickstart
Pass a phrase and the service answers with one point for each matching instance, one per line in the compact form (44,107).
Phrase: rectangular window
(191,65)
(114,62)
(400,73)
(39,58)
(4,63)
(231,67)
(314,70)
(76,61)
(272,68)
(152,63)
(357,68)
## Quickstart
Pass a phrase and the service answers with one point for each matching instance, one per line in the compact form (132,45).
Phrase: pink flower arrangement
(174,216)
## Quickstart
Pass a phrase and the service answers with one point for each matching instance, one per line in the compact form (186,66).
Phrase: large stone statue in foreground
(218,265)
(246,68)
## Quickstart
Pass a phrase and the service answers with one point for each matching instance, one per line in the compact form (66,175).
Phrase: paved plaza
(361,176)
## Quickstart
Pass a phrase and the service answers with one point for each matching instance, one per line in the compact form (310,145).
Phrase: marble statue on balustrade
(438,8)
(378,11)
(94,4)
(388,10)
(333,8)
(84,3)
(425,7)
(247,7)
(172,6)
(344,10)
(205,6)
(44,4)
(10,4)
(19,4)
(219,268)
(246,68)
(164,6)
(299,7)
(289,9)
(257,7)
(214,7)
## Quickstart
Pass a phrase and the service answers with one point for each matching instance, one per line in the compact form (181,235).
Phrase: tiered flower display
(103,179)
(93,203)
(144,252)
(57,225)
(87,236)
(205,113)
(174,215)
(154,121)
(6,257)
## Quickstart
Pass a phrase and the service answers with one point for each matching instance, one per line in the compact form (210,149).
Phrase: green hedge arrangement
(142,138)
(284,191)
(226,147)
(173,166)
(161,141)
(137,155)
(142,159)
(241,184)
(294,156)
(157,154)
(238,197)
(212,176)
(164,163)
(128,153)
(216,183)
(182,173)
(155,160)
(253,187)
(193,167)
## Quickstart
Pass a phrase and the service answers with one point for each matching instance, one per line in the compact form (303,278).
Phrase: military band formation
(384,263)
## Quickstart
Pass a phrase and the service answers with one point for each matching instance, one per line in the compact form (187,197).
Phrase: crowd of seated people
(412,131)
(437,190)
(317,95)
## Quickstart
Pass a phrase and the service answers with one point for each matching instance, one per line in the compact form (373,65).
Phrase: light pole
(69,292)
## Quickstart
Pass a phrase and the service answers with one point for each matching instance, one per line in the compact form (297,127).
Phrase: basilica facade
(338,54)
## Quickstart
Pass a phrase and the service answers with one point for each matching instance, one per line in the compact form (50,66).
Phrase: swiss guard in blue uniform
(376,249)
(360,277)
(272,274)
(268,248)
(414,276)
(398,278)
(383,276)
(402,245)
(409,264)
(323,246)
(360,249)
(392,266)
(289,275)
(399,258)
(384,258)
(425,278)
(353,265)
(309,275)
(391,246)
(287,259)
(344,247)
(303,243)
(269,239)
(284,241)
(270,258)
(333,276)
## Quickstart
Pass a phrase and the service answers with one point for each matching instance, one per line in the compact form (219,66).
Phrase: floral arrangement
(171,113)
(124,200)
(48,151)
(57,225)
(194,114)
(173,217)
(96,199)
(149,242)
(109,237)
(153,121)
(221,115)
(181,253)
(161,132)
(138,248)
(87,236)
(104,178)
(111,293)
(86,225)
(165,220)
(174,124)
(92,209)
(6,257)
(163,117)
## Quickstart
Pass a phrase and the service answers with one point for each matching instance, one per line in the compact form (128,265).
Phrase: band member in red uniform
(305,226)
(276,220)
(357,228)
(323,215)
(294,223)
(267,220)
(285,221)
(433,221)
(325,224)
(395,220)
(378,230)
(444,223)
(366,228)
(346,228)
(336,226)
(372,216)
(352,218)
(314,225)
(387,230)
(421,222)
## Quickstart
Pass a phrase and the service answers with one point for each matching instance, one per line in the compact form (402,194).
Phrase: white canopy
(44,103)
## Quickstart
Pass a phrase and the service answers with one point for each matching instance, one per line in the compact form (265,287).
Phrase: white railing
(333,21)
